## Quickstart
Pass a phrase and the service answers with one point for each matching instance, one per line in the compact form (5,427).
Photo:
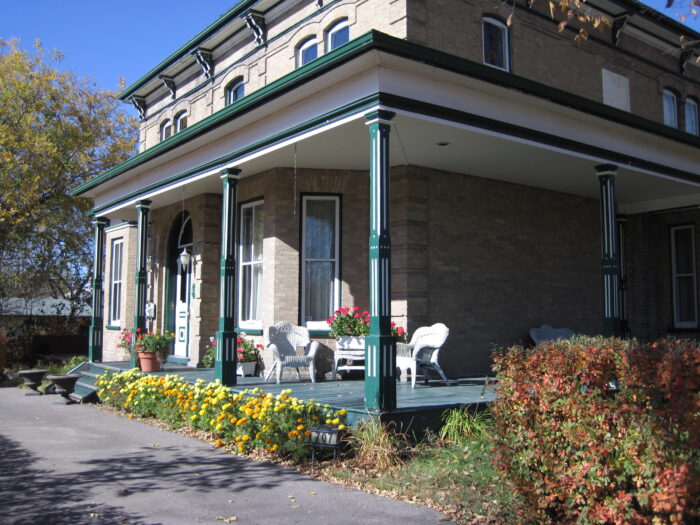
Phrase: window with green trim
(250,265)
(115,282)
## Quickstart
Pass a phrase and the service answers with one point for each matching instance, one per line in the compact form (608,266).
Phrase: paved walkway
(77,465)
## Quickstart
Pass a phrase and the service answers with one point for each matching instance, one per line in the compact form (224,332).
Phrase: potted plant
(247,353)
(350,326)
(153,348)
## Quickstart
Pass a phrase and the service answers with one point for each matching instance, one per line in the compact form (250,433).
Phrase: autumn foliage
(597,430)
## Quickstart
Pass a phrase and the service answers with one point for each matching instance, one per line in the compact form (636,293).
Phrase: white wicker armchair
(283,339)
(422,351)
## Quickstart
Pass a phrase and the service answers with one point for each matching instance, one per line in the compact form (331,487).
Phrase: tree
(57,130)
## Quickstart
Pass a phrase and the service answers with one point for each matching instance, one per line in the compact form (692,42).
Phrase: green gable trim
(235,12)
(375,40)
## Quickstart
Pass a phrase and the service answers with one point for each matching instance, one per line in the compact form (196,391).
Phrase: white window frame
(691,116)
(670,114)
(231,89)
(251,324)
(166,125)
(305,44)
(506,42)
(338,25)
(321,325)
(116,268)
(178,122)
(675,276)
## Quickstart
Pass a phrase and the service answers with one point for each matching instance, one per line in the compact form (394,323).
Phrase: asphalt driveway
(77,465)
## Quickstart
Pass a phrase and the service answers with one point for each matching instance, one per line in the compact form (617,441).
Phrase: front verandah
(417,408)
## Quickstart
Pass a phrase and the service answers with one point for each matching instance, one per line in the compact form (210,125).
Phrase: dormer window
(307,51)
(166,130)
(337,35)
(180,121)
(670,108)
(234,91)
(496,44)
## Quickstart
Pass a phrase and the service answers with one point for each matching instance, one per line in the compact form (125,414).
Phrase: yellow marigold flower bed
(248,420)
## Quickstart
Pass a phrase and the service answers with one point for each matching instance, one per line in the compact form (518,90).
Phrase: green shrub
(597,430)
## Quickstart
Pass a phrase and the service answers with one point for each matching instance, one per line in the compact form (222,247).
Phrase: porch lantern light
(324,436)
(185,257)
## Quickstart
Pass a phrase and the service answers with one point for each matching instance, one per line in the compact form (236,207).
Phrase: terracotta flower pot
(149,362)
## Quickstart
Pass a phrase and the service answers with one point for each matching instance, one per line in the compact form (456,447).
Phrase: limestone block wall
(240,57)
(111,332)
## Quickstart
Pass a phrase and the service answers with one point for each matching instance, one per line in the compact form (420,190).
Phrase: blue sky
(108,40)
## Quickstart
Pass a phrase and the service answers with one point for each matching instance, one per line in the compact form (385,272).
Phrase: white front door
(182,310)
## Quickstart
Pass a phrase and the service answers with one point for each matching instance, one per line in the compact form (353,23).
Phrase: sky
(108,40)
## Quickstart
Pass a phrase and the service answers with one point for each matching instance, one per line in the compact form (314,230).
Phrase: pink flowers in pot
(353,322)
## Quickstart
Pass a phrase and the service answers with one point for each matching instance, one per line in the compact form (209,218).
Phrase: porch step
(85,389)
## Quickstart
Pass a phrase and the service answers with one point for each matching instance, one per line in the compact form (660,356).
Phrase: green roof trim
(375,40)
(235,12)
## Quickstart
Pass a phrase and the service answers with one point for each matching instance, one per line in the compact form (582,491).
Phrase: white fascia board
(513,107)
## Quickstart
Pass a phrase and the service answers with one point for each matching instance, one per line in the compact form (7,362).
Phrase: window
(337,35)
(234,91)
(683,267)
(691,116)
(115,285)
(180,121)
(166,130)
(320,245)
(307,51)
(250,265)
(670,109)
(496,45)
(616,90)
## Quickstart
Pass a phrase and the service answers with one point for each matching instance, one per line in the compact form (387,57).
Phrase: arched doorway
(180,284)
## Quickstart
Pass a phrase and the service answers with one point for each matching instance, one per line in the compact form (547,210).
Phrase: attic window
(307,51)
(166,130)
(496,44)
(235,90)
(337,35)
(670,108)
(180,121)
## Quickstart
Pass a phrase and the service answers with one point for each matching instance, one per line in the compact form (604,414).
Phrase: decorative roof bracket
(319,3)
(686,55)
(255,21)
(140,105)
(205,60)
(618,25)
(169,83)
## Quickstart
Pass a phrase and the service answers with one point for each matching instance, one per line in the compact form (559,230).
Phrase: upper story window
(616,90)
(180,121)
(115,285)
(166,130)
(337,35)
(235,90)
(683,274)
(250,262)
(307,51)
(320,278)
(691,116)
(496,44)
(670,108)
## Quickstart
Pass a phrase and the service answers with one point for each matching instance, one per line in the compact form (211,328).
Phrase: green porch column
(95,346)
(610,255)
(143,208)
(380,345)
(225,365)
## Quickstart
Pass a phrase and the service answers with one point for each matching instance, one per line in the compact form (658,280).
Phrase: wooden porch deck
(417,408)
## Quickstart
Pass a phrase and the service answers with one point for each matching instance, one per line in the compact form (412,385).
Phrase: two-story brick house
(275,142)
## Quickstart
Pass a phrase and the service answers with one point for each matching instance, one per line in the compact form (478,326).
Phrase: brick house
(486,164)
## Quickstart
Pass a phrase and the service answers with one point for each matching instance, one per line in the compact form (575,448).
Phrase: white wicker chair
(283,339)
(422,351)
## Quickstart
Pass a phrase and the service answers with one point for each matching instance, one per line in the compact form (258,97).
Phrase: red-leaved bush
(601,430)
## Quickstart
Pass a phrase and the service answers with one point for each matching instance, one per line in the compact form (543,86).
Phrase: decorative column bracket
(169,83)
(618,25)
(225,364)
(205,60)
(686,55)
(255,21)
(140,105)
(380,350)
(143,208)
(96,328)
(609,247)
